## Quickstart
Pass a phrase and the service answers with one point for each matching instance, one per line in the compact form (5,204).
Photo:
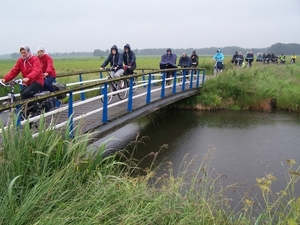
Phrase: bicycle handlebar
(13,82)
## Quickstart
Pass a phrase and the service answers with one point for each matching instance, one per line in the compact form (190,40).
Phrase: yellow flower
(290,161)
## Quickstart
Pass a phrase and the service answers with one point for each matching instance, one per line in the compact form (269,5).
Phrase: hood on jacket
(127,46)
(40,48)
(27,49)
(114,47)
(169,50)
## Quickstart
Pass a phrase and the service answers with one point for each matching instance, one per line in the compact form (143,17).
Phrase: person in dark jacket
(234,58)
(116,62)
(195,60)
(249,58)
(184,62)
(129,60)
(168,61)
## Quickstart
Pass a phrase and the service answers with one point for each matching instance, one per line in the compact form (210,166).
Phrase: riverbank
(54,180)
(263,87)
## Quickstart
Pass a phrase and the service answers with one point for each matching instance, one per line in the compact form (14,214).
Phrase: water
(248,145)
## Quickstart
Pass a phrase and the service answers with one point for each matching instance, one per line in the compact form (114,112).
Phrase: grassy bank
(56,180)
(258,88)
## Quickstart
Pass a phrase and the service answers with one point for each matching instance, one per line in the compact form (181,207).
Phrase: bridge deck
(118,115)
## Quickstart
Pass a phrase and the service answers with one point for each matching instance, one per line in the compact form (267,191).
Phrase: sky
(83,26)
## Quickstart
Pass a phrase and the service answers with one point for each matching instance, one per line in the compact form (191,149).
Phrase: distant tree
(15,55)
(97,52)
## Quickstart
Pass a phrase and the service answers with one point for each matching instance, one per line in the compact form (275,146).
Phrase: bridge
(95,114)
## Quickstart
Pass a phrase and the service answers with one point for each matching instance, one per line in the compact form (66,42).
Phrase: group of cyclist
(120,64)
(269,58)
(38,72)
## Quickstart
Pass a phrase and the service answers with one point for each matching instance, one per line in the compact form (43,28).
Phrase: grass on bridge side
(56,180)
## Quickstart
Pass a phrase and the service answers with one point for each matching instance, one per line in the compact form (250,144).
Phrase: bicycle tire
(135,83)
(109,97)
(122,84)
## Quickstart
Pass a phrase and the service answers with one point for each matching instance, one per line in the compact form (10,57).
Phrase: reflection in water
(248,145)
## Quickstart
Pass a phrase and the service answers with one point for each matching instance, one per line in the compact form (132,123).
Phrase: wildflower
(290,161)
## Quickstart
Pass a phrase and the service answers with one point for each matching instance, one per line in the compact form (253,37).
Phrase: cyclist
(219,58)
(30,67)
(282,59)
(129,60)
(168,61)
(195,60)
(293,59)
(115,59)
(249,58)
(234,57)
(184,62)
(47,69)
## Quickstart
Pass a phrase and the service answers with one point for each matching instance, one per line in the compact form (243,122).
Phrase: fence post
(129,107)
(174,81)
(101,76)
(70,115)
(82,96)
(163,85)
(148,99)
(105,108)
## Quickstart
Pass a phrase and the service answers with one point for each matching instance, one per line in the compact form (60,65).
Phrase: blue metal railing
(149,80)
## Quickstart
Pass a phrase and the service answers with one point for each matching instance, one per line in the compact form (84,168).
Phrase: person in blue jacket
(116,62)
(219,58)
(168,61)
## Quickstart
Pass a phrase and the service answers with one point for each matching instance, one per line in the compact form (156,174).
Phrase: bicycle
(218,67)
(6,115)
(249,60)
(115,86)
(34,110)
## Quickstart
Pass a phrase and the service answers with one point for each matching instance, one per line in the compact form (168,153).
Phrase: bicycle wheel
(122,84)
(135,83)
(109,95)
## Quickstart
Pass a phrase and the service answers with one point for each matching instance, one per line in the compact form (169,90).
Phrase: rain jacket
(30,68)
(47,65)
(114,60)
(185,61)
(129,58)
(219,57)
(169,59)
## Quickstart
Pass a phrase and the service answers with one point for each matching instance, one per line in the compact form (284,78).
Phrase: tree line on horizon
(277,49)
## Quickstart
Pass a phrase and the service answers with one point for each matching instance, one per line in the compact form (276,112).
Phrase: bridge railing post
(82,95)
(148,99)
(191,79)
(198,78)
(174,81)
(105,108)
(70,115)
(130,95)
(163,85)
(203,78)
(183,80)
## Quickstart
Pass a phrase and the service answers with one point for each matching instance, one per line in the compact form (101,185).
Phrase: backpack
(60,87)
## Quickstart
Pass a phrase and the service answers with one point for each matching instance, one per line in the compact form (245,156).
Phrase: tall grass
(56,180)
(252,88)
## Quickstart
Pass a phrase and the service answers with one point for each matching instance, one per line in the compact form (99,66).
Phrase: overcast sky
(86,25)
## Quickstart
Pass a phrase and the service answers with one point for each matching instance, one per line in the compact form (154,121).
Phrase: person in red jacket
(47,69)
(30,67)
